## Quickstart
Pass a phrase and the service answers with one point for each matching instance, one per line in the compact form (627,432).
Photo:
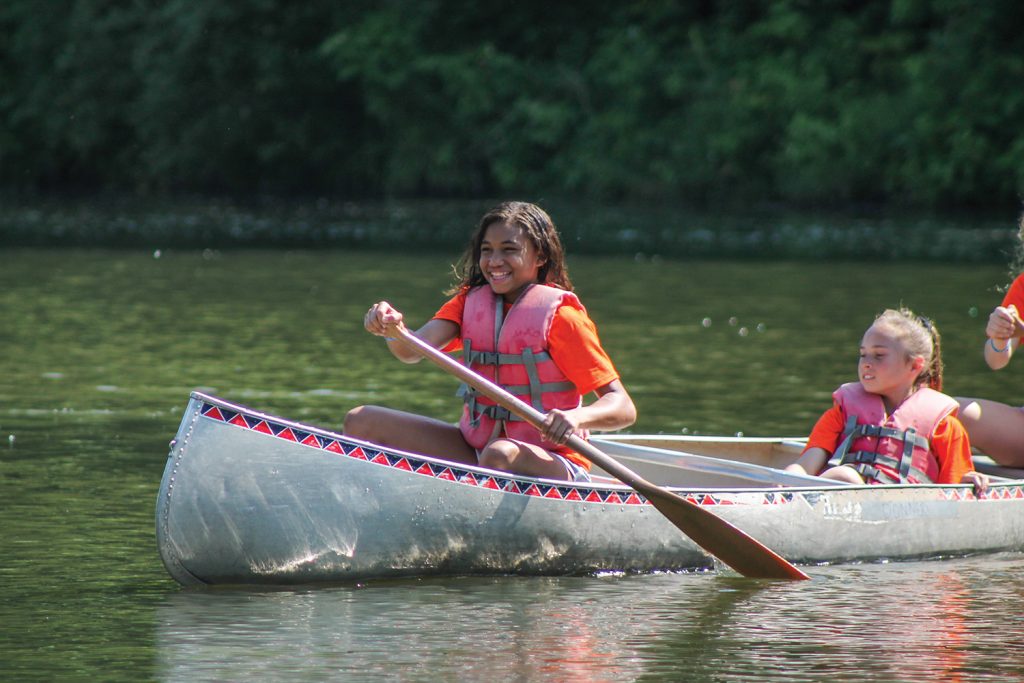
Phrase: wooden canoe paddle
(712,533)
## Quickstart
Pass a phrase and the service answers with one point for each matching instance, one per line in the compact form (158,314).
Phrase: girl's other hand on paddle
(380,316)
(559,426)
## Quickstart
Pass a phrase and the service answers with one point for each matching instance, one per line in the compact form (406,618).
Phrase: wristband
(995,348)
(391,339)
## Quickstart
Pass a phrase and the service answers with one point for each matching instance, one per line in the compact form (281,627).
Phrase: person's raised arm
(1003,330)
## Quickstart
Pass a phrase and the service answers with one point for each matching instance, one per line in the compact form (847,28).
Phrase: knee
(498,455)
(843,473)
(359,422)
(969,412)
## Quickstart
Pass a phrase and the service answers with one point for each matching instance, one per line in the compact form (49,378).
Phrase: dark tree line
(908,102)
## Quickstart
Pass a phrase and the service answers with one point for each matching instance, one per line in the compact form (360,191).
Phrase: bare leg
(409,432)
(517,457)
(994,428)
(843,473)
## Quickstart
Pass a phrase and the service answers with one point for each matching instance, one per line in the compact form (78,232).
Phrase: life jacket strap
(848,434)
(494,358)
(497,413)
(535,389)
(864,461)
(910,435)
(466,392)
(517,389)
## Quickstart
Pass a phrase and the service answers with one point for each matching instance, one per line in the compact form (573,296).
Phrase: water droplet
(973,311)
(706,322)
(733,320)
(10,439)
(156,254)
(744,332)
(760,327)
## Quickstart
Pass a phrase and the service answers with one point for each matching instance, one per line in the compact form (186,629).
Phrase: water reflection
(469,629)
(928,621)
(915,621)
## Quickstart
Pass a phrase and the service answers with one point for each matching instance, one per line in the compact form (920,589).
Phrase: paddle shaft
(712,533)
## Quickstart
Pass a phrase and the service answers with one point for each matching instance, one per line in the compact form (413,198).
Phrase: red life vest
(512,351)
(890,449)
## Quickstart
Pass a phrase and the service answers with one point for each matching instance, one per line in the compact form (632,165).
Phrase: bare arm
(810,462)
(1004,326)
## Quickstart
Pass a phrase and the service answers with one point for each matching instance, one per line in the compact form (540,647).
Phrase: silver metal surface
(237,505)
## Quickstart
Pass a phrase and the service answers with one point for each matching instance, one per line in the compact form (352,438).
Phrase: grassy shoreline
(644,231)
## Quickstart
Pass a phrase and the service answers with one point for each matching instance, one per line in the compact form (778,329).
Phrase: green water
(101,348)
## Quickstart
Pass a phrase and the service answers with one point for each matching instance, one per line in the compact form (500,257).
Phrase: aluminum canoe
(251,498)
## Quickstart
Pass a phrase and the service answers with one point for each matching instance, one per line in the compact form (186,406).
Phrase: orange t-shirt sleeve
(828,430)
(452,310)
(576,350)
(952,448)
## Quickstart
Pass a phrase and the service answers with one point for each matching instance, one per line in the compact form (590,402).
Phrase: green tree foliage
(912,102)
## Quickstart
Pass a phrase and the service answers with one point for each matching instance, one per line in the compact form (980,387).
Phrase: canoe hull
(250,498)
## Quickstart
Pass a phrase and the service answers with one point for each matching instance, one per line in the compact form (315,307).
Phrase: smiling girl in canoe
(894,425)
(518,323)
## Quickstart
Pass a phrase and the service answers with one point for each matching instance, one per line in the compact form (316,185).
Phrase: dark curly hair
(537,226)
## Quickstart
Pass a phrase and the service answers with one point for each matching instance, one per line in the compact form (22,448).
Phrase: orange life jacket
(512,351)
(890,449)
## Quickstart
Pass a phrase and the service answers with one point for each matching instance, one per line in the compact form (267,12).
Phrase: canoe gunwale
(208,401)
(373,450)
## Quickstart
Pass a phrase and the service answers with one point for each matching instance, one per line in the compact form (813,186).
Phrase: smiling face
(885,368)
(508,260)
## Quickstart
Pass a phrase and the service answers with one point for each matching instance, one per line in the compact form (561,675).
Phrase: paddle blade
(732,546)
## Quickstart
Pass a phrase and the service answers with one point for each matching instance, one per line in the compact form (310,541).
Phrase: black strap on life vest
(528,359)
(864,461)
